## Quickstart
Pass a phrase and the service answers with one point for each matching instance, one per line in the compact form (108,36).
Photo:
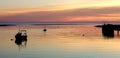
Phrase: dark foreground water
(60,41)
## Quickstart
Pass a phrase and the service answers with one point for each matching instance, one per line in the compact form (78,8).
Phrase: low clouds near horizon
(72,15)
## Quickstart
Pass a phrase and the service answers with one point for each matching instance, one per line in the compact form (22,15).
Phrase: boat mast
(19,28)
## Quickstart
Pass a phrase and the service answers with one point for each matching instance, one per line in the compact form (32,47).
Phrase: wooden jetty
(108,29)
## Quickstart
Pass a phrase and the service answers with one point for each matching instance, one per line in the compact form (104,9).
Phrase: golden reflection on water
(60,39)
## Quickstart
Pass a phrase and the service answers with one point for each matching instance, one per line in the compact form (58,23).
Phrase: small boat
(21,35)
(44,29)
(21,39)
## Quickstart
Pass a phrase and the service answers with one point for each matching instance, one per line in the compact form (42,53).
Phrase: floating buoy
(44,30)
(83,34)
(11,39)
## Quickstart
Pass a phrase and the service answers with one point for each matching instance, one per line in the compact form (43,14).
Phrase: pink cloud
(84,14)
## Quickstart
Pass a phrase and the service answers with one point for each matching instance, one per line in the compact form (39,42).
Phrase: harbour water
(59,41)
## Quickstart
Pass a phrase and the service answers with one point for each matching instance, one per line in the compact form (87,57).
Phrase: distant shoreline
(6,25)
(63,23)
(40,24)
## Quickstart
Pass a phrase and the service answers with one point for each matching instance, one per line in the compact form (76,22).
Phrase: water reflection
(60,43)
(21,38)
(107,36)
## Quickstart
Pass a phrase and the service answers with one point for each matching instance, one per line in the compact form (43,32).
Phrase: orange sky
(59,11)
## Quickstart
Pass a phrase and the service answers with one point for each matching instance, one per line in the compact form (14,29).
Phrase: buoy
(11,39)
(83,34)
(44,30)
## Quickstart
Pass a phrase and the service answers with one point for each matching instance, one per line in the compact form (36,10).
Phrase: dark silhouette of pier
(108,29)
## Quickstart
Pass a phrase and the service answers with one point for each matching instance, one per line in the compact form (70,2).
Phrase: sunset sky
(59,10)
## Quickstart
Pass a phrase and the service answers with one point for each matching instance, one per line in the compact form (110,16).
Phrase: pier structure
(108,29)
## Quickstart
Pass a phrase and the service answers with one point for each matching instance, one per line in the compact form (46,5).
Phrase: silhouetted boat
(21,35)
(21,38)
(44,29)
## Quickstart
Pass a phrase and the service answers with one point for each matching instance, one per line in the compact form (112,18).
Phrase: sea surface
(59,41)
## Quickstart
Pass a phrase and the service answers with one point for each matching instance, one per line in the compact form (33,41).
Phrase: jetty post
(107,30)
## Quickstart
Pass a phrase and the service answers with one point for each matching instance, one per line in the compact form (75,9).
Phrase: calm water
(60,41)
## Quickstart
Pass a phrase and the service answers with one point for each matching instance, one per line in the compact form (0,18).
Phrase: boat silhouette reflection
(21,38)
